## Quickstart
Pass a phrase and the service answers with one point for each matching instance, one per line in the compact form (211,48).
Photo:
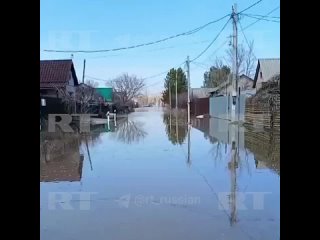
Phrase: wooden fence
(263,110)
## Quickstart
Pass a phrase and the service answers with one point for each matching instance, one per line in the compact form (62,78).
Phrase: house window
(260,74)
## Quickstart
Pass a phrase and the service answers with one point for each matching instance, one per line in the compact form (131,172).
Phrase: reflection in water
(265,146)
(176,126)
(129,131)
(156,184)
(60,157)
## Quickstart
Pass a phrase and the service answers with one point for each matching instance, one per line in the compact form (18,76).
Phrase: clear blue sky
(102,24)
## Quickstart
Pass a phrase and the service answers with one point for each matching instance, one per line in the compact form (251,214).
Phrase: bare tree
(66,98)
(127,87)
(84,95)
(240,58)
(245,59)
(249,63)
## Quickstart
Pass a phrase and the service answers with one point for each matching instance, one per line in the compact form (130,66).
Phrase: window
(260,74)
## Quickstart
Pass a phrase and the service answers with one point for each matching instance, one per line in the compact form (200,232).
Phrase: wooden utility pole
(235,62)
(177,90)
(170,94)
(84,70)
(188,78)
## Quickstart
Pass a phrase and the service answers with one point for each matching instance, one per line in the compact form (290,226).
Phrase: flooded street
(147,178)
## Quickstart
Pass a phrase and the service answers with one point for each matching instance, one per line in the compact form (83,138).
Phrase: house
(266,69)
(245,83)
(105,93)
(57,74)
(200,92)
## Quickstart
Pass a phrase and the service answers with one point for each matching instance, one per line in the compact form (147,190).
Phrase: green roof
(106,93)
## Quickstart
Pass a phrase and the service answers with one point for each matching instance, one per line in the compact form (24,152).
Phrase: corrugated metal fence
(220,107)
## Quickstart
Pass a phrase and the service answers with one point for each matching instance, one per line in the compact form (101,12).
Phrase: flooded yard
(149,178)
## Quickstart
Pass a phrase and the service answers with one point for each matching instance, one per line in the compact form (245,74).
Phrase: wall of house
(70,87)
(243,83)
(260,79)
(50,93)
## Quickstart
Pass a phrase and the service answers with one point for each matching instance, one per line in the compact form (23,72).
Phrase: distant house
(57,74)
(200,92)
(266,69)
(245,83)
(105,93)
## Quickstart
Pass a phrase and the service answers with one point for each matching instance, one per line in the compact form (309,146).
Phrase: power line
(250,6)
(263,16)
(156,75)
(154,42)
(207,66)
(222,45)
(245,37)
(143,44)
(201,65)
(149,77)
(95,78)
(159,74)
(260,19)
(152,50)
(225,25)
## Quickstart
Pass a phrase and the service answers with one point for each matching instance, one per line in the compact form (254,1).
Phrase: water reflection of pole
(88,153)
(108,121)
(233,175)
(170,122)
(177,131)
(189,160)
(233,165)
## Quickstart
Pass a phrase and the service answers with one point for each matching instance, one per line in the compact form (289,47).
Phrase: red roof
(56,72)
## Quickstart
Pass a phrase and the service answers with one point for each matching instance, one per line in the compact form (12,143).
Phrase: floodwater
(148,177)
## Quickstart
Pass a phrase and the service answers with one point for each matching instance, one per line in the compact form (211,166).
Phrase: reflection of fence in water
(60,158)
(265,145)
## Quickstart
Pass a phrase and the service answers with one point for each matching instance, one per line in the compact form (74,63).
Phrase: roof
(269,68)
(106,93)
(245,76)
(201,92)
(56,72)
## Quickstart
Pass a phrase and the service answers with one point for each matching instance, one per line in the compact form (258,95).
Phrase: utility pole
(233,163)
(235,58)
(176,90)
(188,78)
(170,94)
(84,70)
